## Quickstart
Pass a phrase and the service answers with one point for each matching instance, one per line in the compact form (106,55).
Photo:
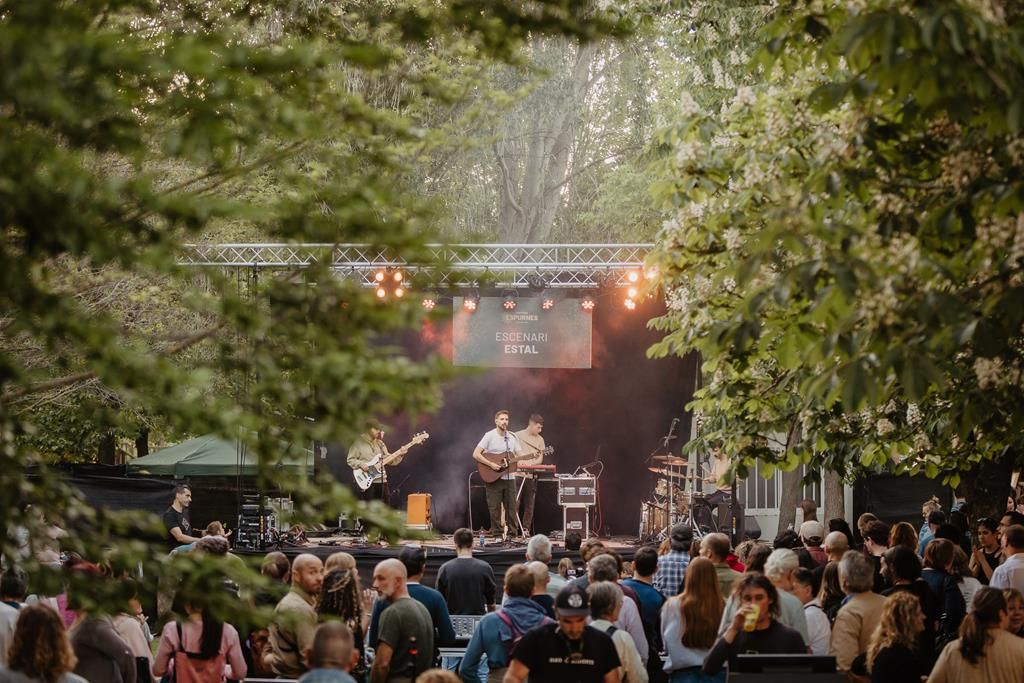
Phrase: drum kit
(671,502)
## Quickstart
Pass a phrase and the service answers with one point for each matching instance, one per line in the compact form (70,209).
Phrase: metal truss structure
(510,266)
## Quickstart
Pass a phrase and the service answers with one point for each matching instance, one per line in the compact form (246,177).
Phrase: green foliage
(845,245)
(131,127)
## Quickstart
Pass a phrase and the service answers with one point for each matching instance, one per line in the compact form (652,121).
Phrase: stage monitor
(784,664)
(527,337)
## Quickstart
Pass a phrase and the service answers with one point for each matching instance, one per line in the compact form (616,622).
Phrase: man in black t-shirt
(567,651)
(466,583)
(176,521)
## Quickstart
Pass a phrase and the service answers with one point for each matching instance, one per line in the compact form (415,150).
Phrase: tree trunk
(790,497)
(987,486)
(834,493)
(106,454)
(142,443)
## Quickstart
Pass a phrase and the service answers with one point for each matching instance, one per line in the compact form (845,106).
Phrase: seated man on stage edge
(503,491)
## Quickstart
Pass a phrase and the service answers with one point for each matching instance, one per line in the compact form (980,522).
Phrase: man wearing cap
(672,565)
(568,650)
(811,535)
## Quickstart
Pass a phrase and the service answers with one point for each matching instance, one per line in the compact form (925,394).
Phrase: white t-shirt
(493,442)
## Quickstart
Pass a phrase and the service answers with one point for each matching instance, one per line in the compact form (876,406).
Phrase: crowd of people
(940,603)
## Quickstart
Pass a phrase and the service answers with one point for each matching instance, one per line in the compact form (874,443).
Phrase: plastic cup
(750,621)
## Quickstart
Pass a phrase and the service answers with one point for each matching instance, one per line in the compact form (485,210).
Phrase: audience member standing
(938,565)
(332,656)
(903,569)
(812,533)
(987,555)
(341,598)
(876,542)
(892,655)
(964,577)
(903,533)
(672,566)
(605,603)
(466,583)
(605,568)
(294,621)
(568,650)
(831,594)
(857,619)
(13,587)
(779,570)
(819,628)
(405,644)
(40,651)
(645,566)
(689,624)
(103,656)
(759,598)
(206,644)
(935,519)
(541,578)
(985,651)
(498,631)
(1010,574)
(1015,610)
(715,547)
(538,549)
(415,561)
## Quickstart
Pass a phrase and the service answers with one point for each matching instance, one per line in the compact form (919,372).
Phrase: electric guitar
(375,468)
(507,463)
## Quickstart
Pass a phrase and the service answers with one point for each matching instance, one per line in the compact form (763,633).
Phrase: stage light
(632,292)
(547,303)
(398,276)
(381,292)
(429,302)
(630,304)
(471,301)
(588,303)
(510,302)
(633,276)
(379,276)
(399,292)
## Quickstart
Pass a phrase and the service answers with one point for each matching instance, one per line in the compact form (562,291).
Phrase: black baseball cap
(572,601)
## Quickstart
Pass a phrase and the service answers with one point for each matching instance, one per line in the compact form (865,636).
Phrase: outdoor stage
(439,550)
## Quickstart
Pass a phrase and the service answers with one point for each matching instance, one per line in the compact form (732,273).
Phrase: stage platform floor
(439,550)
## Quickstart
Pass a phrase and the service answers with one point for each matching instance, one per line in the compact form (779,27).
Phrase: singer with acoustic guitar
(496,455)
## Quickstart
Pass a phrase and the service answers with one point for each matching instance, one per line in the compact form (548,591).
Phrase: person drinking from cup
(754,628)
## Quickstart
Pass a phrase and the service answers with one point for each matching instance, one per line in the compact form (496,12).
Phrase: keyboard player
(530,441)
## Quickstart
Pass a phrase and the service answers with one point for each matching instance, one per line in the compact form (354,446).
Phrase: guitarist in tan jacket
(498,444)
(364,451)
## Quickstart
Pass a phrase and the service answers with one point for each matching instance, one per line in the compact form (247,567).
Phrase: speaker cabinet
(417,514)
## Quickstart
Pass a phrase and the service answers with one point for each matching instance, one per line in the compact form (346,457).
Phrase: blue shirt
(326,676)
(924,537)
(671,570)
(651,601)
(435,604)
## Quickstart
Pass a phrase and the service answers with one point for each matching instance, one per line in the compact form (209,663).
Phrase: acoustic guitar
(507,463)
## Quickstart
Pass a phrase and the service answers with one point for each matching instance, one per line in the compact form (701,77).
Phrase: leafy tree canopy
(845,241)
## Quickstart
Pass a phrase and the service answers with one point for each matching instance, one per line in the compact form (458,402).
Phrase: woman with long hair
(964,577)
(1015,609)
(904,534)
(689,623)
(208,646)
(987,555)
(831,595)
(891,655)
(341,599)
(985,651)
(40,651)
(938,574)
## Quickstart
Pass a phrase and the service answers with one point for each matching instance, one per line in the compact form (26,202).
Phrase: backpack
(517,635)
(189,667)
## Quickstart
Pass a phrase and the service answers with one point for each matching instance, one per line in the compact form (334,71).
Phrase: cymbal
(670,460)
(670,473)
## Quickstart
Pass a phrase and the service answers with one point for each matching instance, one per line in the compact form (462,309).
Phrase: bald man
(294,624)
(539,570)
(405,641)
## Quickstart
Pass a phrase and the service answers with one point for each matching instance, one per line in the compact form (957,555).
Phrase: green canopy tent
(212,456)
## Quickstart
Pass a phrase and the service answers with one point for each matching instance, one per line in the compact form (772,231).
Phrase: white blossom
(687,105)
(729,284)
(733,239)
(717,73)
(914,416)
(688,151)
(993,372)
(744,97)
(884,427)
(922,442)
(697,76)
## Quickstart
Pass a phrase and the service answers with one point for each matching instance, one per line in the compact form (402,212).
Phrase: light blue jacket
(491,634)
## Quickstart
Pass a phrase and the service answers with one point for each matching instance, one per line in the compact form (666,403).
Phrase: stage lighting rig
(471,301)
(429,302)
(629,304)
(389,281)
(511,301)
(547,303)
(587,303)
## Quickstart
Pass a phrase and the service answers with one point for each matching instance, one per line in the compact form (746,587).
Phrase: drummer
(719,468)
